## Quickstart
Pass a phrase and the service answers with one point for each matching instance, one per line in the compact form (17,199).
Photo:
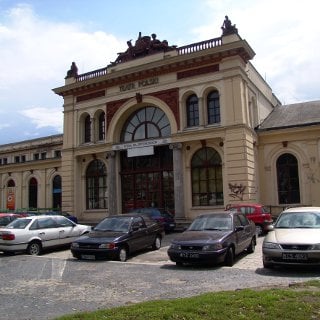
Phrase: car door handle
(61,231)
(41,233)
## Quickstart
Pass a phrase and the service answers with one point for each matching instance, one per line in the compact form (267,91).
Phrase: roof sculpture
(144,45)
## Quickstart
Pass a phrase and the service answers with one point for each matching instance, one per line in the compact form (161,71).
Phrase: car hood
(200,236)
(301,236)
(101,236)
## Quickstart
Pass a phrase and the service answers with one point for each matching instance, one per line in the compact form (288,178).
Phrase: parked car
(160,215)
(35,233)
(294,239)
(116,237)
(256,212)
(63,213)
(6,218)
(214,238)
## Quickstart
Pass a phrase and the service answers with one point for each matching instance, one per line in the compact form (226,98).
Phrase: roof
(292,115)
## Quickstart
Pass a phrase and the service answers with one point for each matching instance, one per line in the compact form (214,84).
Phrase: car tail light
(8,236)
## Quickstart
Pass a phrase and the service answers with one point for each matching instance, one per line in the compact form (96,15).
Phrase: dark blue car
(162,216)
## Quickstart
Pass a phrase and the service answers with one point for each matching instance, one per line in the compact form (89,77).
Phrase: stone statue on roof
(228,27)
(73,71)
(144,45)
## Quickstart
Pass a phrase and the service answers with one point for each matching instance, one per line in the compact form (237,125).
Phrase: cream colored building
(189,128)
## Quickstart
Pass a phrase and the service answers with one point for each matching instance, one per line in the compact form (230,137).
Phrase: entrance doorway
(147,180)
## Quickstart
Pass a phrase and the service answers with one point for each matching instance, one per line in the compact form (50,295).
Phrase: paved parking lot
(53,284)
(160,257)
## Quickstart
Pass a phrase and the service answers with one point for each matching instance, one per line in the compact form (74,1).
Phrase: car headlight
(175,246)
(316,246)
(107,246)
(271,245)
(74,245)
(212,247)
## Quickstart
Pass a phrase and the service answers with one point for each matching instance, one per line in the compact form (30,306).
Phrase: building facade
(190,129)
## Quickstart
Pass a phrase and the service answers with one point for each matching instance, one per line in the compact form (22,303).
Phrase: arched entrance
(147,177)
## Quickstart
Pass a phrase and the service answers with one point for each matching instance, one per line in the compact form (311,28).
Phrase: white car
(34,233)
(294,239)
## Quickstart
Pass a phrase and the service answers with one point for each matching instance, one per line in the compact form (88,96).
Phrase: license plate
(88,257)
(189,255)
(294,256)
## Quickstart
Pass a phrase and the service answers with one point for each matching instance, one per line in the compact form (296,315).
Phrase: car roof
(302,209)
(246,204)
(210,214)
(41,216)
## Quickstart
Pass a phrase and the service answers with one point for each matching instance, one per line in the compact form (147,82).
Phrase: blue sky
(39,39)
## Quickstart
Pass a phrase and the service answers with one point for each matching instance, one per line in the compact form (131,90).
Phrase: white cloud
(43,117)
(285,36)
(35,56)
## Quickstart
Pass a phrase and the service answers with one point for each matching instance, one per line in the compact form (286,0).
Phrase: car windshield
(298,220)
(20,223)
(218,222)
(118,224)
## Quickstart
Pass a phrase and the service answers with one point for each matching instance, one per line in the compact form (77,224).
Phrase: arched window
(192,108)
(146,123)
(56,192)
(96,185)
(102,127)
(11,184)
(213,107)
(87,129)
(288,179)
(33,193)
(206,176)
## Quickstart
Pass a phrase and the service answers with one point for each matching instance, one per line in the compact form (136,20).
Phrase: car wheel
(229,259)
(123,254)
(251,246)
(179,264)
(157,243)
(34,248)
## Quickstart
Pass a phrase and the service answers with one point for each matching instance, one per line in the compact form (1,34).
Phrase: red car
(6,218)
(256,212)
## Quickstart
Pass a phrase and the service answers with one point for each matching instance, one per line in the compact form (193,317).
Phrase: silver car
(294,239)
(34,233)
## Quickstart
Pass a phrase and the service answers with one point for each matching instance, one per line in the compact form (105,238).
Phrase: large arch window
(96,185)
(146,123)
(288,179)
(192,109)
(102,126)
(33,193)
(213,107)
(206,176)
(56,192)
(87,129)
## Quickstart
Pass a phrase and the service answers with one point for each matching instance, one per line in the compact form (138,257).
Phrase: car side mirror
(135,228)
(239,228)
(270,227)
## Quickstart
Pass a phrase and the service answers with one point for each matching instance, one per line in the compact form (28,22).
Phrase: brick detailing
(91,95)
(171,98)
(197,72)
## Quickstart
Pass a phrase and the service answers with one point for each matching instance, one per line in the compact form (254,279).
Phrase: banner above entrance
(140,144)
(139,152)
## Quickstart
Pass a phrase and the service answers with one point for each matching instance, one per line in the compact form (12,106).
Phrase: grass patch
(298,301)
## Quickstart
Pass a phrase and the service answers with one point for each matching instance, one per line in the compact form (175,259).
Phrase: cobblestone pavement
(54,284)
